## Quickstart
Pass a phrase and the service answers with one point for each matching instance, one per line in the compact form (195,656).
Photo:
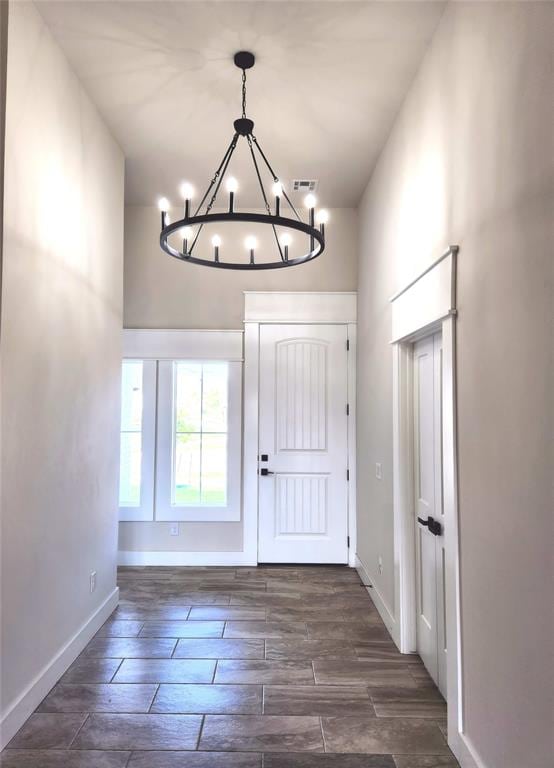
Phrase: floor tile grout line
(153,699)
(199,733)
(322,734)
(69,746)
(116,671)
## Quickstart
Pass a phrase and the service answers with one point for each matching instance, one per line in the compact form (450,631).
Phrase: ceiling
(328,82)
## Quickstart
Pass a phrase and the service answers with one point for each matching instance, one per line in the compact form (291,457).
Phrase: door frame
(294,308)
(425,306)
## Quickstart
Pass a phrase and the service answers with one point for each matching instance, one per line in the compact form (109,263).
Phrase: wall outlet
(92,581)
(380,566)
(378,470)
(174,529)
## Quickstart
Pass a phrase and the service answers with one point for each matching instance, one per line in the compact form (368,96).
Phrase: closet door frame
(425,306)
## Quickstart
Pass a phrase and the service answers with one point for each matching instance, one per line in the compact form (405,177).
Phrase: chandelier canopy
(188,229)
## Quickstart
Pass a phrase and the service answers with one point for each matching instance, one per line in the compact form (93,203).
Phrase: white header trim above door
(428,298)
(176,344)
(300,307)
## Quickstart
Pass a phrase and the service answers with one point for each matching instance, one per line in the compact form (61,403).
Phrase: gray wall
(61,350)
(161,292)
(469,161)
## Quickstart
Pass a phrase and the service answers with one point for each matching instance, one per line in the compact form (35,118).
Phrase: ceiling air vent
(305,185)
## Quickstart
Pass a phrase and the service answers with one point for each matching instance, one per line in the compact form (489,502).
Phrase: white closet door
(303,490)
(429,508)
(439,515)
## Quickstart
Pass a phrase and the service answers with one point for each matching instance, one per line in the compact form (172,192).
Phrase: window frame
(144,511)
(165,510)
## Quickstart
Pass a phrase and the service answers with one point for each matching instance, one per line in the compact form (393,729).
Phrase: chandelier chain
(217,179)
(275,178)
(267,206)
(229,151)
(244,93)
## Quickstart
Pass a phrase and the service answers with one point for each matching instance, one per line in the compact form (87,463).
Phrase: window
(198,441)
(200,434)
(136,463)
(131,434)
(180,440)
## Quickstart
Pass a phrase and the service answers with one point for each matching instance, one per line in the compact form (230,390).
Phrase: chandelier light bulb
(277,189)
(187,191)
(216,241)
(232,184)
(310,201)
(250,243)
(285,239)
(322,217)
(163,204)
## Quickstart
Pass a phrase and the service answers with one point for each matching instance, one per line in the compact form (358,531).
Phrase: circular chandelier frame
(204,215)
(256,218)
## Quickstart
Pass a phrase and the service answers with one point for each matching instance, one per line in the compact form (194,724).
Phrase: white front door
(303,444)
(430,556)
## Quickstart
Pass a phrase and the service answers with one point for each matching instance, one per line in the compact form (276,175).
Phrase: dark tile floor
(239,668)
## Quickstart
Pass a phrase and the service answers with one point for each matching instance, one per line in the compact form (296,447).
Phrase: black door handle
(434,526)
(264,472)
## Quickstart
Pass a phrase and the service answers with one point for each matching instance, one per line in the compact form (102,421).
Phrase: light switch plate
(378,471)
(174,529)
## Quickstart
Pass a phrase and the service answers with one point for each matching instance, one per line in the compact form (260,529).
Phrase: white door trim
(311,307)
(181,344)
(426,305)
(290,307)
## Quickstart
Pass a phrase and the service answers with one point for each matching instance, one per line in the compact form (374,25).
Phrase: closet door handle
(264,472)
(434,526)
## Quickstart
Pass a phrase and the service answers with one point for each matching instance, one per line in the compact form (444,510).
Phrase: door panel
(431,640)
(424,439)
(439,515)
(303,510)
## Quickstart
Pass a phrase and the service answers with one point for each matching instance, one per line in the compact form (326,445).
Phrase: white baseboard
(380,603)
(465,752)
(184,558)
(18,711)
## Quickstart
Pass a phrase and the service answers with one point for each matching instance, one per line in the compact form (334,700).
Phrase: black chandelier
(191,225)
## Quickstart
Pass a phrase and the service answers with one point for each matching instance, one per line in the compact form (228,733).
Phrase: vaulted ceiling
(328,82)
